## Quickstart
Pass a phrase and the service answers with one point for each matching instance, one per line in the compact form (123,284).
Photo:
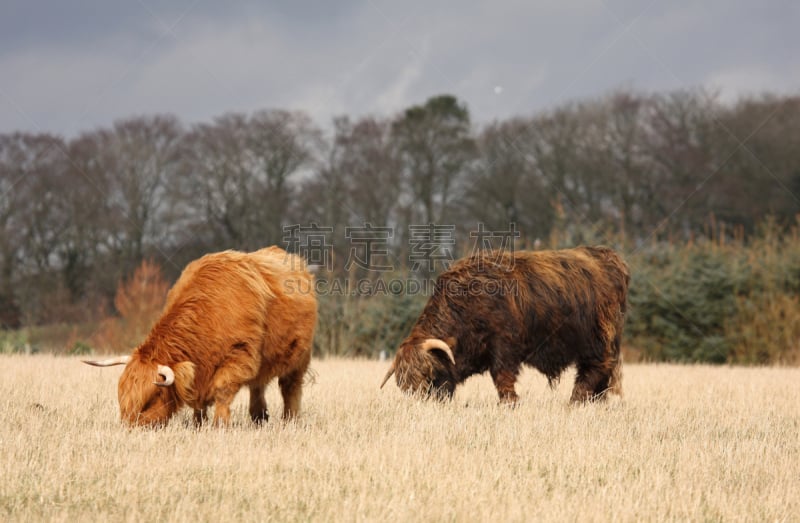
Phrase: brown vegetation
(139,302)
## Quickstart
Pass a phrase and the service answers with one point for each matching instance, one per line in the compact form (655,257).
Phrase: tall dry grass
(687,443)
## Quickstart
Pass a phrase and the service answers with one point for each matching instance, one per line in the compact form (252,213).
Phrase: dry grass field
(687,443)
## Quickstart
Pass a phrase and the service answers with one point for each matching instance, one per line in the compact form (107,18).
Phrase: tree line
(78,215)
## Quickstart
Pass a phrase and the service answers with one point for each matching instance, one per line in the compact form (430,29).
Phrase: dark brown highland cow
(496,311)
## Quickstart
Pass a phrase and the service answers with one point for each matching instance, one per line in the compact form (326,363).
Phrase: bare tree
(504,186)
(239,172)
(32,172)
(757,160)
(436,148)
(136,161)
(680,143)
(372,168)
(553,144)
(77,217)
(629,169)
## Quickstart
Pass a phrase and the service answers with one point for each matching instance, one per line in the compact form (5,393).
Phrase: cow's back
(616,271)
(232,275)
(555,302)
(229,299)
(574,304)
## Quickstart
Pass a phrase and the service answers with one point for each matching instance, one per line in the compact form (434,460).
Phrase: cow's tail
(615,381)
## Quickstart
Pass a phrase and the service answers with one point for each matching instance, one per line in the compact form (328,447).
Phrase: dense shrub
(16,342)
(365,325)
(718,301)
(726,300)
(680,303)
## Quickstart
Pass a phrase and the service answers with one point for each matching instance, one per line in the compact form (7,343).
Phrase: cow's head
(149,393)
(425,368)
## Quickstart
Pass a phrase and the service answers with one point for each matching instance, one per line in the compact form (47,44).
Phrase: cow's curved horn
(169,376)
(388,375)
(121,360)
(437,344)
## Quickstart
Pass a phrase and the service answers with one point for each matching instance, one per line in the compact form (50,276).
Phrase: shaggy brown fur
(232,319)
(497,311)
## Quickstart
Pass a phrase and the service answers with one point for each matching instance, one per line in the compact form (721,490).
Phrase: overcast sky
(72,66)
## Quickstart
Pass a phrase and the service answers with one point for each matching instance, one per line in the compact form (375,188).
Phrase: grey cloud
(68,69)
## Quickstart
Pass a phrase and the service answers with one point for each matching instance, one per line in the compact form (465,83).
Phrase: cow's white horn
(169,376)
(437,344)
(388,375)
(121,360)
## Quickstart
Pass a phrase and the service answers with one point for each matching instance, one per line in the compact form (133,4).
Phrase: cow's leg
(591,383)
(292,391)
(504,381)
(223,397)
(291,385)
(200,416)
(258,405)
(240,367)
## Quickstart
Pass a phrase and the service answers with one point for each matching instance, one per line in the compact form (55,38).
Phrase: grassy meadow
(696,443)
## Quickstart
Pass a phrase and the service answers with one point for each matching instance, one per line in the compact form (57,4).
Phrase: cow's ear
(184,380)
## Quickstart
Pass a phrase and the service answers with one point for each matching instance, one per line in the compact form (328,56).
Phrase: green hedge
(717,302)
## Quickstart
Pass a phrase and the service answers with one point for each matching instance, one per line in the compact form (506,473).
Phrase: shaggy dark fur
(497,311)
